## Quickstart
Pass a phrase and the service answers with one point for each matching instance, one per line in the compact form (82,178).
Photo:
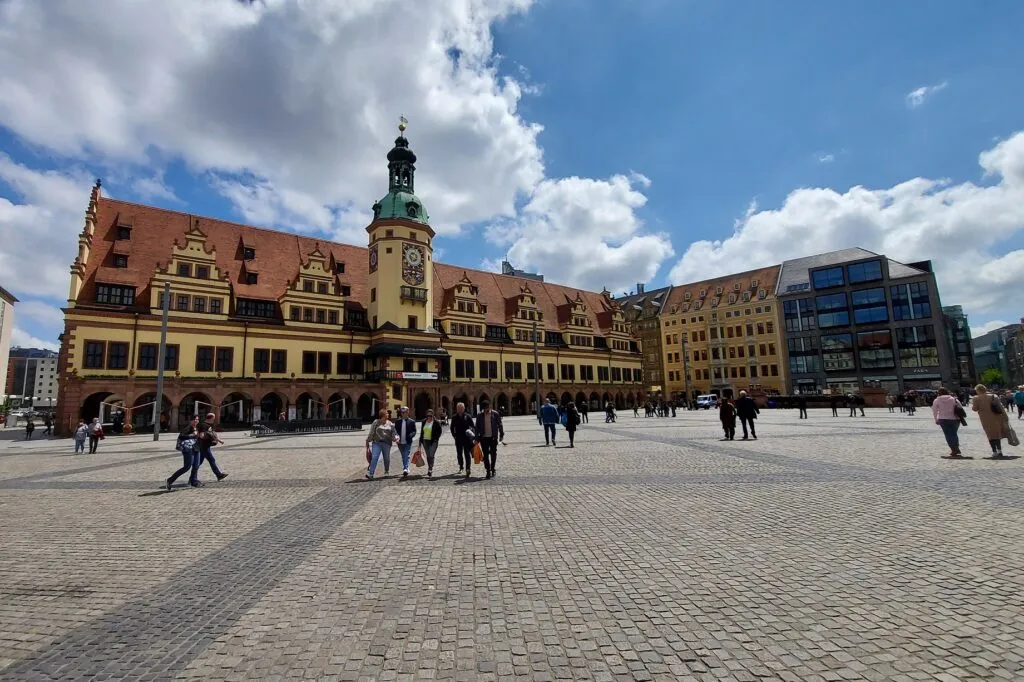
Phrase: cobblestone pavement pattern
(830,549)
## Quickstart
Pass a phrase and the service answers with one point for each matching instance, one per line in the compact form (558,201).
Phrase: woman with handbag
(379,440)
(993,418)
(571,421)
(430,433)
(949,415)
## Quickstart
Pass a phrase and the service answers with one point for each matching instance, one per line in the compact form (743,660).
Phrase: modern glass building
(855,318)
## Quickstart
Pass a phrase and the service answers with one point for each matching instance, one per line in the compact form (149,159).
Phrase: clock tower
(400,248)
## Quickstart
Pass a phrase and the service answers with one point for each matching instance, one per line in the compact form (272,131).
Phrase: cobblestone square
(831,548)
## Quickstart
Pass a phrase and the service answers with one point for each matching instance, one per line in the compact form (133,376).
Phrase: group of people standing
(485,431)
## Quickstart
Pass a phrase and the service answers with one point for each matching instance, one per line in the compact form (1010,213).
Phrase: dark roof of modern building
(633,303)
(7,296)
(985,341)
(279,257)
(32,353)
(797,271)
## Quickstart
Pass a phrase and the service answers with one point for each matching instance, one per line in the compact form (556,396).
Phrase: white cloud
(960,227)
(977,331)
(39,312)
(22,339)
(826,158)
(287,108)
(916,98)
(585,232)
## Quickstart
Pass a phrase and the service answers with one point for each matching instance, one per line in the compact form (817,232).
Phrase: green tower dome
(401,200)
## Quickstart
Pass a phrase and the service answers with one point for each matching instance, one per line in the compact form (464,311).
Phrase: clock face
(412,255)
(373,258)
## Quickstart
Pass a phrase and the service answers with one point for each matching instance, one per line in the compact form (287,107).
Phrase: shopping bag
(1012,439)
(417,458)
(478,454)
(564,418)
(368,456)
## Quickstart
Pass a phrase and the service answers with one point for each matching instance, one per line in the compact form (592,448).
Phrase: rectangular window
(321,287)
(124,232)
(332,317)
(343,364)
(147,355)
(225,359)
(465,369)
(837,352)
(917,346)
(202,272)
(869,306)
(551,371)
(308,362)
(184,269)
(775,370)
(875,349)
(413,322)
(120,261)
(865,272)
(182,302)
(307,285)
(321,315)
(117,355)
(323,363)
(279,361)
(830,277)
(616,374)
(260,360)
(910,301)
(373,294)
(488,369)
(204,359)
(832,310)
(95,354)
(215,306)
(248,253)
(250,307)
(295,312)
(531,371)
(346,290)
(339,268)
(251,278)
(171,357)
(198,304)
(307,314)
(115,295)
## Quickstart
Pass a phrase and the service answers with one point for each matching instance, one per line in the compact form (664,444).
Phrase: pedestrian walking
(188,445)
(801,403)
(379,440)
(994,420)
(1018,400)
(430,434)
(584,409)
(859,399)
(746,410)
(207,438)
(572,420)
(48,424)
(81,434)
(727,415)
(949,415)
(833,402)
(30,426)
(464,436)
(549,418)
(406,430)
(95,435)
(489,431)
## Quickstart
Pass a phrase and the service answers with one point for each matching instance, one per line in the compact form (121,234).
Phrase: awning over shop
(402,350)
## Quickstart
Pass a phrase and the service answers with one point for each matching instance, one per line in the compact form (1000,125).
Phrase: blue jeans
(79,446)
(949,430)
(406,450)
(190,462)
(378,449)
(206,453)
(549,431)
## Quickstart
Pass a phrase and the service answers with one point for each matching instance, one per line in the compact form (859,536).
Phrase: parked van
(706,402)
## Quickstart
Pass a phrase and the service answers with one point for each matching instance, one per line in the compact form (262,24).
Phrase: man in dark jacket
(747,411)
(488,432)
(405,427)
(460,423)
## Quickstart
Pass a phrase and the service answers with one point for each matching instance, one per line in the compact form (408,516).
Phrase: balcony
(414,294)
(380,375)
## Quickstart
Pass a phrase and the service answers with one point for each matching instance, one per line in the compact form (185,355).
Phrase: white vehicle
(706,402)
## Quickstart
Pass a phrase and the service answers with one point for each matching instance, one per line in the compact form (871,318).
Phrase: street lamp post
(161,354)
(536,371)
(686,368)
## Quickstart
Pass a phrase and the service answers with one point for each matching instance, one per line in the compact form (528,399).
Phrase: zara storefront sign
(418,376)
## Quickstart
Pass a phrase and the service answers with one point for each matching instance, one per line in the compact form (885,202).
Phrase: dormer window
(321,287)
(185,269)
(339,268)
(251,278)
(124,232)
(307,285)
(753,284)
(120,261)
(248,253)
(346,290)
(202,272)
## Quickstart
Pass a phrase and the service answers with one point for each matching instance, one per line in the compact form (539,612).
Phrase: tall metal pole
(159,402)
(686,369)
(536,371)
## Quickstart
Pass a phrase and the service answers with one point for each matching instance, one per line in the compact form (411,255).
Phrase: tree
(992,377)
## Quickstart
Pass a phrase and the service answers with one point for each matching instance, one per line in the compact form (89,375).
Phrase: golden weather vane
(403,123)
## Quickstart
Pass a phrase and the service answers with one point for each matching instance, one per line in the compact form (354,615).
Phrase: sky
(603,144)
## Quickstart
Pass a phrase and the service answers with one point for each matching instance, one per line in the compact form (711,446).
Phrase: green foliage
(992,377)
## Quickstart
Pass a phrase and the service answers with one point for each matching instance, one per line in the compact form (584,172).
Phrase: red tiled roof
(279,255)
(766,279)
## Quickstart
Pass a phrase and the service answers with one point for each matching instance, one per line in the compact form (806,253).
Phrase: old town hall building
(265,324)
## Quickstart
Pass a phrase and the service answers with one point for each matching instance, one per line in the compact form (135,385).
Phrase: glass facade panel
(917,346)
(865,272)
(799,316)
(831,277)
(837,352)
(910,301)
(875,349)
(832,310)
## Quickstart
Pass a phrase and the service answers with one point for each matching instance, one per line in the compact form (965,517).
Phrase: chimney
(639,287)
